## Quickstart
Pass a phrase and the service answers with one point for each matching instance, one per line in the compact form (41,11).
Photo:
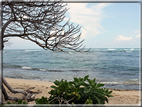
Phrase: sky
(103,25)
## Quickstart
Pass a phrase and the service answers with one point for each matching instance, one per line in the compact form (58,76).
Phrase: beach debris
(28,97)
(33,90)
(33,97)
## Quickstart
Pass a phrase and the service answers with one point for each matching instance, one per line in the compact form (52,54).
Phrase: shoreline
(106,85)
(31,82)
(43,87)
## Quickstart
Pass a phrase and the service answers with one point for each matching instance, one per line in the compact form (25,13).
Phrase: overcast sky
(104,25)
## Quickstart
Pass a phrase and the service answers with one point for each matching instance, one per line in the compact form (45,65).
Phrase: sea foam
(111,49)
(24,67)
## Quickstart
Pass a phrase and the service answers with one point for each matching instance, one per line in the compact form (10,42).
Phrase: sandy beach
(41,88)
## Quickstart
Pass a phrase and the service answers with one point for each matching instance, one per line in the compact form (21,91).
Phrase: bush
(18,102)
(79,91)
(15,104)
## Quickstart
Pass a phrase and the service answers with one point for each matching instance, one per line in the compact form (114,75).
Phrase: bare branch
(42,23)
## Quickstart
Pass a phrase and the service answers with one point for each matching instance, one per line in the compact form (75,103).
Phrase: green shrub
(79,91)
(15,104)
(18,102)
(41,100)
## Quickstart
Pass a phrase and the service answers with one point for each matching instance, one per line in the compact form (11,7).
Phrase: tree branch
(41,23)
(13,35)
(5,25)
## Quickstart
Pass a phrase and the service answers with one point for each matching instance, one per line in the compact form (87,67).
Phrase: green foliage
(15,104)
(41,100)
(18,102)
(79,91)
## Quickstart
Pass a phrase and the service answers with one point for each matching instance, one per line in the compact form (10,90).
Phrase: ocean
(116,68)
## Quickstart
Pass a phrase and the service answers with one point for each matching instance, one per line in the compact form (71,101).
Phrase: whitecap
(128,51)
(42,69)
(24,67)
(111,49)
(132,49)
(70,53)
(32,50)
(110,83)
(135,79)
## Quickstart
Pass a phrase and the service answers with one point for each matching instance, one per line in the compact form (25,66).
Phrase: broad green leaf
(53,86)
(78,97)
(97,99)
(86,90)
(94,79)
(68,94)
(86,77)
(59,91)
(106,99)
(79,78)
(81,83)
(56,82)
(85,84)
(99,93)
(99,85)
(109,92)
(71,82)
(76,79)
(89,101)
(77,94)
(94,85)
(89,81)
(51,92)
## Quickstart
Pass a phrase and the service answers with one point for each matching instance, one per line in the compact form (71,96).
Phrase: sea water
(116,68)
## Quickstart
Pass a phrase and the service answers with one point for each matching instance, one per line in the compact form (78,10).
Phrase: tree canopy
(41,22)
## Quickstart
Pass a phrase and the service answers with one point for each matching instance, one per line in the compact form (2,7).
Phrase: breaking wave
(33,50)
(41,69)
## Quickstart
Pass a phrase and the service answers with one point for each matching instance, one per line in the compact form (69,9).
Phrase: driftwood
(28,95)
(11,89)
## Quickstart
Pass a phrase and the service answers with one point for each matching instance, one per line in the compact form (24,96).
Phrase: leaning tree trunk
(6,97)
(29,95)
(10,88)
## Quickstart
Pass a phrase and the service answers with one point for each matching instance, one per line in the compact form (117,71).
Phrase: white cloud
(138,36)
(137,32)
(88,17)
(83,33)
(122,38)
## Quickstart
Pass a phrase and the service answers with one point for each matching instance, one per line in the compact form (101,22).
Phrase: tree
(42,23)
